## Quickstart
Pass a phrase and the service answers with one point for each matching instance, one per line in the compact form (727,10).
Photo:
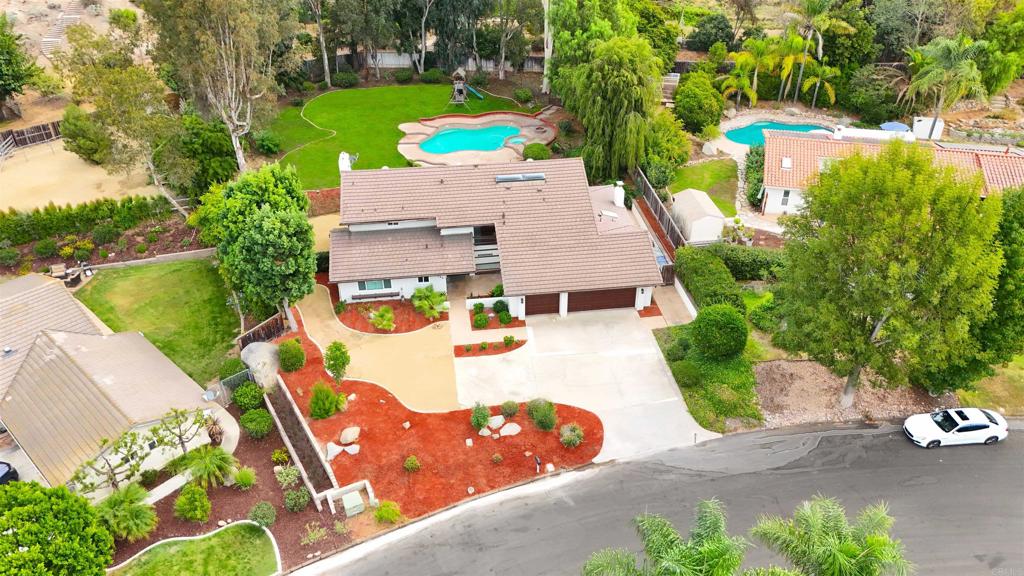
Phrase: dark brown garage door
(601,299)
(542,304)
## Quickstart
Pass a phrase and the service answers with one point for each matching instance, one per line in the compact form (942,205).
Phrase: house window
(152,444)
(423,279)
(375,285)
(787,163)
(785,197)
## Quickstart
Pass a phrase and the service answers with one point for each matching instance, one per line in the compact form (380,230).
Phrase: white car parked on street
(956,426)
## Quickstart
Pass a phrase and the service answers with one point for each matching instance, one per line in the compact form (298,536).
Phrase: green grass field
(181,307)
(365,122)
(242,550)
(717,178)
(1003,392)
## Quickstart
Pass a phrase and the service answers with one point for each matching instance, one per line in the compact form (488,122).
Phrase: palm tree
(210,465)
(429,302)
(788,53)
(949,73)
(821,76)
(815,19)
(760,53)
(709,550)
(737,81)
(126,514)
(819,540)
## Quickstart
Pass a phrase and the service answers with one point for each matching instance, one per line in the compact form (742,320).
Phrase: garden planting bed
(651,311)
(493,323)
(492,349)
(449,468)
(230,503)
(357,314)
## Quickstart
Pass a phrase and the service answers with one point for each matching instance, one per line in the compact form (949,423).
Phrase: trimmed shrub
(148,476)
(192,504)
(484,345)
(291,355)
(536,151)
(24,227)
(263,513)
(308,87)
(82,254)
(468,347)
(499,306)
(480,79)
(280,457)
(480,321)
(324,402)
(10,256)
(339,307)
(571,435)
(478,308)
(543,413)
(509,408)
(698,103)
(765,315)
(383,318)
(345,79)
(719,331)
(754,174)
(712,28)
(287,476)
(342,402)
(522,95)
(245,478)
(677,351)
(387,513)
(432,76)
(66,252)
(296,500)
(322,85)
(412,464)
(403,75)
(45,248)
(707,278)
(257,423)
(659,172)
(498,291)
(509,341)
(749,262)
(229,368)
(686,373)
(266,143)
(479,415)
(505,318)
(141,248)
(247,396)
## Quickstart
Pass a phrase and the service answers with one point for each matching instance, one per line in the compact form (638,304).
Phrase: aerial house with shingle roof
(560,244)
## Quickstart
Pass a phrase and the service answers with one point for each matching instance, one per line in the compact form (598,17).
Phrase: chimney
(619,195)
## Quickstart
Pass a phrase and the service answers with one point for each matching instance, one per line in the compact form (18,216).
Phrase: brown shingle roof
(398,254)
(999,170)
(547,236)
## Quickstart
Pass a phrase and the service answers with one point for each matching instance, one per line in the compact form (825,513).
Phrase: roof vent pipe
(619,194)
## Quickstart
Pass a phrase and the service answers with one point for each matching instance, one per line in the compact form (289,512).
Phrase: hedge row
(707,279)
(24,227)
(748,262)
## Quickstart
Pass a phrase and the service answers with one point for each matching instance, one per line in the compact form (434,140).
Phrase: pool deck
(532,129)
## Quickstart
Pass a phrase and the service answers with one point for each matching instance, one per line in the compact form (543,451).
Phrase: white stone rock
(730,113)
(485,431)
(510,429)
(351,396)
(470,490)
(352,449)
(350,435)
(792,111)
(549,467)
(709,149)
(495,436)
(221,523)
(309,556)
(469,442)
(278,468)
(333,450)
(495,422)
(527,453)
(406,424)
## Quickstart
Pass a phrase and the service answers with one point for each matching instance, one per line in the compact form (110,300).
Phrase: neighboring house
(792,161)
(699,219)
(67,382)
(560,244)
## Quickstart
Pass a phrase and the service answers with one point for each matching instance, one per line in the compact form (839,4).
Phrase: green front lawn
(1003,392)
(365,122)
(181,307)
(241,550)
(717,178)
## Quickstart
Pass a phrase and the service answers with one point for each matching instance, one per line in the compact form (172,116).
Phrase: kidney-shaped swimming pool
(458,139)
(753,134)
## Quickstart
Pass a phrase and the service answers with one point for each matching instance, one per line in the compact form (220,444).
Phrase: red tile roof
(999,169)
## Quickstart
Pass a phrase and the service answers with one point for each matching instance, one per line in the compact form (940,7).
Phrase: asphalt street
(958,510)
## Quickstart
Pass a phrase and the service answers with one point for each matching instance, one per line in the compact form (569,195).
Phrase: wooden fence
(37,134)
(265,331)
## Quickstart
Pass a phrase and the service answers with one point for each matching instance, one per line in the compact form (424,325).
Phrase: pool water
(753,135)
(458,139)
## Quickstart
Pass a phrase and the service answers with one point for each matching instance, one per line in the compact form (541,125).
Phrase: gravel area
(798,392)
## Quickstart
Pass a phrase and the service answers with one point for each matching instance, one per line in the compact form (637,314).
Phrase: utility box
(353,503)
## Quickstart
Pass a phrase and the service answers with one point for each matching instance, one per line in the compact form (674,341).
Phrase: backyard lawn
(1003,392)
(240,550)
(181,307)
(717,178)
(364,121)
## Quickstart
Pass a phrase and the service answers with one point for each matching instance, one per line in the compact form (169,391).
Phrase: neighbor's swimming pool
(753,135)
(458,139)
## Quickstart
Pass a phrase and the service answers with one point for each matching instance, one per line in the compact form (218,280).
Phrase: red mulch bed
(234,504)
(651,311)
(766,239)
(324,201)
(357,314)
(493,323)
(438,440)
(492,349)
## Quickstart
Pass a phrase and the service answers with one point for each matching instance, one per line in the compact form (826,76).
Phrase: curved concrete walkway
(416,367)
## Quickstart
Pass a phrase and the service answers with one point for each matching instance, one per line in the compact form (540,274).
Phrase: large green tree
(613,95)
(819,540)
(891,260)
(815,19)
(369,23)
(51,531)
(579,25)
(948,74)
(273,259)
(512,17)
(852,47)
(16,68)
(659,30)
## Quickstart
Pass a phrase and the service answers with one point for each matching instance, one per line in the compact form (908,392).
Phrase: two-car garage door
(580,301)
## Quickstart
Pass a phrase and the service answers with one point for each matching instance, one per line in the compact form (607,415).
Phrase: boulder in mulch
(510,429)
(350,435)
(495,422)
(352,449)
(333,450)
(485,431)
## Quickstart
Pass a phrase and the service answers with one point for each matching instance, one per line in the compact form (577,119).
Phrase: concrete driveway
(605,361)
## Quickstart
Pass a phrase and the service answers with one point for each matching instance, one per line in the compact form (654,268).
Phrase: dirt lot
(798,392)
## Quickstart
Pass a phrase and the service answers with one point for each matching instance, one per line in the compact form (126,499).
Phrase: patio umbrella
(895,127)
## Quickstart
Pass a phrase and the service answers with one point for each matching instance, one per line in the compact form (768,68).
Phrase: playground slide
(474,92)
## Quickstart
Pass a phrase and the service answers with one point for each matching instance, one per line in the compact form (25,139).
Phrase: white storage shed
(697,216)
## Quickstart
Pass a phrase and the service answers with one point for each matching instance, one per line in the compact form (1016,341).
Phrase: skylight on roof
(527,177)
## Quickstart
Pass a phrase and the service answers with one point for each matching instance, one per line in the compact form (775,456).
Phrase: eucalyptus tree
(512,17)
(369,23)
(949,73)
(814,18)
(317,9)
(412,24)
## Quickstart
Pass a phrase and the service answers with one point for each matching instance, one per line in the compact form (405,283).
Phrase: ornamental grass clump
(509,408)
(412,464)
(543,413)
(571,435)
(126,514)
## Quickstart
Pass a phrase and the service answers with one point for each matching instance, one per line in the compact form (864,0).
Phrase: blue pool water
(752,135)
(457,139)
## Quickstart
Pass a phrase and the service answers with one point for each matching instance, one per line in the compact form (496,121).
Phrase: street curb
(1015,423)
